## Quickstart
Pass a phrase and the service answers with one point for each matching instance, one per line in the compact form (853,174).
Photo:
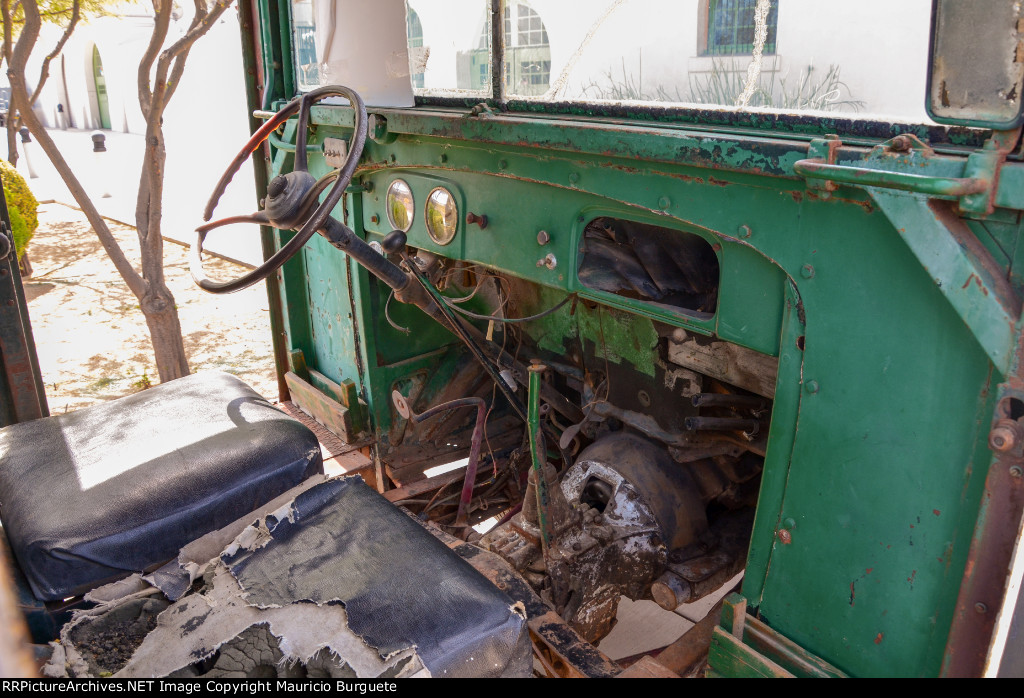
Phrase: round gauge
(442,216)
(400,205)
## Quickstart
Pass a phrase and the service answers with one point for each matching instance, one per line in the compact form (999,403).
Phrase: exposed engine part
(627,505)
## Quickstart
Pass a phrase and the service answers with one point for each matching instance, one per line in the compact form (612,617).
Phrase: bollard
(99,146)
(26,138)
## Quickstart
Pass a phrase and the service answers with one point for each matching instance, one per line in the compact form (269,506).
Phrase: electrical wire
(494,318)
(387,315)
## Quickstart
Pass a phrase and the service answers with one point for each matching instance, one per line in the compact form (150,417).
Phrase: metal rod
(748,426)
(860,176)
(725,400)
(538,455)
(474,449)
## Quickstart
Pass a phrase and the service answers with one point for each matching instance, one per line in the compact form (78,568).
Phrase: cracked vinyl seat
(116,488)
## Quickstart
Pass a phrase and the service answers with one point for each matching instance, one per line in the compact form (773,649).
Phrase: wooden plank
(344,394)
(331,414)
(692,646)
(421,486)
(297,364)
(731,363)
(648,667)
(760,641)
(730,658)
(787,653)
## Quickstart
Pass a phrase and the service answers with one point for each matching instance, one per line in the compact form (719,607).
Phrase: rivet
(543,237)
(574,177)
(1016,471)
(812,387)
(789,523)
(743,231)
(375,218)
(443,158)
(3,272)
(980,607)
(10,302)
(664,202)
(807,271)
(502,164)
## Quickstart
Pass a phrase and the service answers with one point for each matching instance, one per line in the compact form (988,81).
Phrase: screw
(900,144)
(543,238)
(548,261)
(807,271)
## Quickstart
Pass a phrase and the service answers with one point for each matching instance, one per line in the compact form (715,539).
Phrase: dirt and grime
(91,337)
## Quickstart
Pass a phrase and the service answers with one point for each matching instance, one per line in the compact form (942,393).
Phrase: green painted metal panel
(879,486)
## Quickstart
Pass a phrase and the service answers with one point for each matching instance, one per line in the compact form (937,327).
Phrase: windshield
(805,56)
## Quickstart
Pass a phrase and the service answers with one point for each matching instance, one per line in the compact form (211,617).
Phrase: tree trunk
(165,331)
(12,139)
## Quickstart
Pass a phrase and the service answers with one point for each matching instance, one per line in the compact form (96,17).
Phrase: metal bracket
(822,150)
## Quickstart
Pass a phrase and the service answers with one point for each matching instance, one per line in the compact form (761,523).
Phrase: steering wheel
(291,198)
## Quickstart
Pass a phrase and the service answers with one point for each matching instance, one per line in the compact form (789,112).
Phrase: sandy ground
(91,337)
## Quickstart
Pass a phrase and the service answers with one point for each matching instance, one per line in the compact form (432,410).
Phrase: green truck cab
(677,303)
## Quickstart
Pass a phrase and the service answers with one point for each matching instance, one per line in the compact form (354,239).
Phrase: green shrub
(19,195)
(18,226)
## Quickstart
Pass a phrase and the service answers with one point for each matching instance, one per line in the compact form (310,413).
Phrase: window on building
(730,27)
(414,33)
(527,53)
(529,29)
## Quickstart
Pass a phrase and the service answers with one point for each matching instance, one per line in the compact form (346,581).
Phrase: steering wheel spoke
(292,201)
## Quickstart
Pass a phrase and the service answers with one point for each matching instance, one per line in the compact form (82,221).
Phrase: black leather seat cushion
(96,494)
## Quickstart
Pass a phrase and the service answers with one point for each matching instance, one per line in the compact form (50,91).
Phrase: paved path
(112,180)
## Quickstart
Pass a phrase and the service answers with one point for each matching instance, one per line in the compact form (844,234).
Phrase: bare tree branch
(44,71)
(20,98)
(162,21)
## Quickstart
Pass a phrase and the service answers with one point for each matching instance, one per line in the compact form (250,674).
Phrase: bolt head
(1002,439)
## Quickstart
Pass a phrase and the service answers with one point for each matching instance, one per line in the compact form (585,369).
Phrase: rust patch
(718,182)
(936,512)
(853,592)
(785,536)
(683,177)
(913,575)
(869,570)
(878,638)
(798,196)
